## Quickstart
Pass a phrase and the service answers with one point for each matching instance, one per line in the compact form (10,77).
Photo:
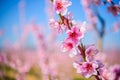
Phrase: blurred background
(30,49)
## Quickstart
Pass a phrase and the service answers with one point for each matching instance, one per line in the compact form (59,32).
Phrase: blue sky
(35,9)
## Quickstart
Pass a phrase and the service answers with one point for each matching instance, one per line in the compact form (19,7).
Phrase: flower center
(89,67)
(73,35)
(59,5)
(70,45)
(90,52)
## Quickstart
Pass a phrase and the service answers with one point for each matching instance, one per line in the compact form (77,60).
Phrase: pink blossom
(54,24)
(89,13)
(83,28)
(86,2)
(24,68)
(113,73)
(100,64)
(70,16)
(67,45)
(75,34)
(81,25)
(73,53)
(109,0)
(60,6)
(90,52)
(76,65)
(87,69)
(97,2)
(116,26)
(105,74)
(114,9)
(115,70)
(3,58)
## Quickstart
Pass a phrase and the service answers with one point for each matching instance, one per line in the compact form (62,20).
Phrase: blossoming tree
(86,64)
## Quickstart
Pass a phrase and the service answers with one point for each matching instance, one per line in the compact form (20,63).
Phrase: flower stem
(82,52)
(65,21)
(97,78)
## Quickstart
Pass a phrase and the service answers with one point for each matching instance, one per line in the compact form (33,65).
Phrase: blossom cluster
(17,62)
(113,8)
(92,13)
(86,64)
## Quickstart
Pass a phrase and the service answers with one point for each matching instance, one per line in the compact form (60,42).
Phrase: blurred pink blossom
(116,26)
(55,25)
(114,9)
(115,70)
(109,0)
(70,16)
(60,6)
(3,58)
(105,74)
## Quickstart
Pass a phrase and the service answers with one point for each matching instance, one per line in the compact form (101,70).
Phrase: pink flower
(70,16)
(3,58)
(116,27)
(73,53)
(67,45)
(100,64)
(90,52)
(115,70)
(97,2)
(76,65)
(114,9)
(61,6)
(75,34)
(54,24)
(87,69)
(109,0)
(105,74)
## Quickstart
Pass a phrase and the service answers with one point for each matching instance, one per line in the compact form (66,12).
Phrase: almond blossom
(71,43)
(87,65)
(105,74)
(114,9)
(115,71)
(60,6)
(70,16)
(54,24)
(109,0)
(67,45)
(75,34)
(90,52)
(87,69)
(3,58)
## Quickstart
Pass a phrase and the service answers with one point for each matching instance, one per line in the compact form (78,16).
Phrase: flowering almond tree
(43,59)
(86,64)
